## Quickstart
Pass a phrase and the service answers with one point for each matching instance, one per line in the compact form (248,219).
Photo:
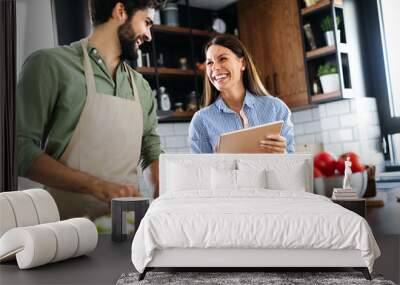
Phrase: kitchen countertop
(110,259)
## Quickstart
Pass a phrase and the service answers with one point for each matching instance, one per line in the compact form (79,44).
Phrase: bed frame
(242,259)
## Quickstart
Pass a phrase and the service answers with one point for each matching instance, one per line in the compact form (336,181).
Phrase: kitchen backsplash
(342,126)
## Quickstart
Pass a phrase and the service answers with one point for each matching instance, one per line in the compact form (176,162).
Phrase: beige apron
(106,143)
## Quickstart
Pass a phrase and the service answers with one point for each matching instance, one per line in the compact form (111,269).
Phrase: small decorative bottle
(315,87)
(165,102)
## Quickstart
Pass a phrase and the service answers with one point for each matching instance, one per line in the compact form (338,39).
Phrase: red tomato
(317,172)
(340,165)
(326,163)
(356,166)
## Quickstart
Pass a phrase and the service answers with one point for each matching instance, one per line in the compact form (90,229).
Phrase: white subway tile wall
(348,120)
(338,108)
(307,126)
(174,137)
(330,123)
(302,116)
(346,125)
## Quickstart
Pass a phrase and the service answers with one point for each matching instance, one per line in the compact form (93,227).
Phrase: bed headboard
(297,166)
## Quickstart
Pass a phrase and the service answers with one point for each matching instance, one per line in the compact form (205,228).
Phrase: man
(85,118)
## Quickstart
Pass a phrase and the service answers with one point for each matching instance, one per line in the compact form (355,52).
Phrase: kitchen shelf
(320,52)
(182,31)
(322,4)
(172,117)
(326,97)
(165,71)
(170,48)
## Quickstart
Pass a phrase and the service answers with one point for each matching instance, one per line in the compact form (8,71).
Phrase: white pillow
(251,178)
(295,180)
(281,174)
(223,179)
(182,177)
(185,175)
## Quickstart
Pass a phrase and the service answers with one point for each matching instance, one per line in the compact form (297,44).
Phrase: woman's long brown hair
(251,78)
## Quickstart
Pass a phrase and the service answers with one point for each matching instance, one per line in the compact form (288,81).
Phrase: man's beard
(127,39)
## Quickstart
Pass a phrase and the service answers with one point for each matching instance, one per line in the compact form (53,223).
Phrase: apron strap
(87,67)
(89,75)
(132,83)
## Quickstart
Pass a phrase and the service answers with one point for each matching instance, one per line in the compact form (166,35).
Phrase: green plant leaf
(327,68)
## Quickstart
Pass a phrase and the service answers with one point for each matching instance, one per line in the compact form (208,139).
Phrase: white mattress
(252,218)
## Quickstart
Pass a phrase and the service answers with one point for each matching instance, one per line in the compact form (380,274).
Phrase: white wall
(35,28)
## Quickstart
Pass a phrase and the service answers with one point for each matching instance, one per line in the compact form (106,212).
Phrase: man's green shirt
(51,94)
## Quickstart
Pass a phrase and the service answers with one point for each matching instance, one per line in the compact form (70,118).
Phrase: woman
(234,99)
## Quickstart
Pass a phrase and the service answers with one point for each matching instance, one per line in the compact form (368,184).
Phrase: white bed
(247,211)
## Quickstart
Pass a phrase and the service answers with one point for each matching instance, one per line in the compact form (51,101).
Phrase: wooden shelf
(322,4)
(172,116)
(146,70)
(165,71)
(326,97)
(319,52)
(183,114)
(204,33)
(182,31)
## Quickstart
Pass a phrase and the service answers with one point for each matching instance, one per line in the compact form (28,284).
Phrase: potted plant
(327,27)
(329,77)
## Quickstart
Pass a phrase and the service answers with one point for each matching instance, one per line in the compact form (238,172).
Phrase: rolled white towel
(40,244)
(23,208)
(26,208)
(45,205)
(66,238)
(87,235)
(33,246)
(7,218)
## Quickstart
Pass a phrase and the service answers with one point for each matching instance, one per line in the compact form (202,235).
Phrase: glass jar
(170,14)
(178,107)
(191,102)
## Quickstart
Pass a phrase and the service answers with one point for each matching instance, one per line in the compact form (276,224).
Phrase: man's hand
(274,144)
(52,173)
(105,191)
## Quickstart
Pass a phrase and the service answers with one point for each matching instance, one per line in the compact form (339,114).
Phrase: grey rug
(243,278)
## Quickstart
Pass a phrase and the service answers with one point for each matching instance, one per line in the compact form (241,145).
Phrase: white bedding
(251,218)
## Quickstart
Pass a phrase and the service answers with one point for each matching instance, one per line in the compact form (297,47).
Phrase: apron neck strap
(87,67)
(132,83)
(89,75)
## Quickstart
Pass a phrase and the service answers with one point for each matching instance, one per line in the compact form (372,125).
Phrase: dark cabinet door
(271,30)
(252,22)
(287,52)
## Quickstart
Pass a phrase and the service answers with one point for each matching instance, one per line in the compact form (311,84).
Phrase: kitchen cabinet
(271,31)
